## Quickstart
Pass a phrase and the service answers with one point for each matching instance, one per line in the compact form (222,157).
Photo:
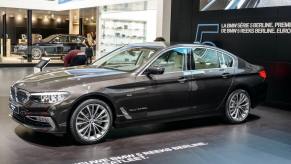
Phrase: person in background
(69,57)
(94,43)
(79,59)
(88,52)
(160,39)
(75,58)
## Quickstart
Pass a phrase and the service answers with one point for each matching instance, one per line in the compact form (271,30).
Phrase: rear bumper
(259,94)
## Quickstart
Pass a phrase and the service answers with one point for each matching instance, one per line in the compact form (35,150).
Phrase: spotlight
(59,20)
(45,19)
(33,18)
(19,18)
(92,18)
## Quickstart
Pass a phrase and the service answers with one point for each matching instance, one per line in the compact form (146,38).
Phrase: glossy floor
(265,138)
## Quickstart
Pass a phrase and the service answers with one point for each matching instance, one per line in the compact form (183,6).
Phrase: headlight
(49,97)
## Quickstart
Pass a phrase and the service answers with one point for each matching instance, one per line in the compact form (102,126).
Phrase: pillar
(4,33)
(164,19)
(98,24)
(74,17)
(81,26)
(29,35)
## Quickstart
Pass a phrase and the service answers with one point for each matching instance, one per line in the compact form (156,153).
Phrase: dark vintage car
(55,45)
(139,83)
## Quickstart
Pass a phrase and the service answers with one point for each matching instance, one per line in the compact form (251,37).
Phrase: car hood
(68,77)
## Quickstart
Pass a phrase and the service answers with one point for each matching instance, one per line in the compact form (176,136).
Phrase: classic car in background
(35,39)
(55,46)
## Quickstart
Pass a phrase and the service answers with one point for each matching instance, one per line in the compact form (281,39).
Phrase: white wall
(148,16)
(164,19)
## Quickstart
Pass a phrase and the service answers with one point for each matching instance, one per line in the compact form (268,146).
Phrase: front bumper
(40,120)
(50,126)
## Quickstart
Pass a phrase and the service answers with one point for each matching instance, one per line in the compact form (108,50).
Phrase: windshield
(126,59)
(49,38)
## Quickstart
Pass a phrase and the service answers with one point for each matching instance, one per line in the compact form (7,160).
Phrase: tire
(84,125)
(237,106)
(36,53)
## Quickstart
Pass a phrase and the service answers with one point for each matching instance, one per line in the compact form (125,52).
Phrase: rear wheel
(91,121)
(237,106)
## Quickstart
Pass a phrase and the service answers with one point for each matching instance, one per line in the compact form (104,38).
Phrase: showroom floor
(265,138)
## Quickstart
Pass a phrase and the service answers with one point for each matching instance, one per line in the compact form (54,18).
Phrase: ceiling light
(45,19)
(19,18)
(59,20)
(33,18)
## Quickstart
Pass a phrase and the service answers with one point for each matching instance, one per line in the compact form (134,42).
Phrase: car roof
(68,35)
(166,45)
(163,45)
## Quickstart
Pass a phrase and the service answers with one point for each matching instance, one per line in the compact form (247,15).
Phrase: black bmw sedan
(53,46)
(138,83)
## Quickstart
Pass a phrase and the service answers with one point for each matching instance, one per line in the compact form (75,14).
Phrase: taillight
(263,74)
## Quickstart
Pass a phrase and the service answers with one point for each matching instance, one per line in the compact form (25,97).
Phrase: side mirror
(155,71)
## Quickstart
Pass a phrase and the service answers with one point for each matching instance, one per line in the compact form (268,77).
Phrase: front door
(167,94)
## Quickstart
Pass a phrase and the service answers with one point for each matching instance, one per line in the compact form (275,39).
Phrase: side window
(228,60)
(205,58)
(172,61)
(221,60)
(225,60)
(75,39)
(61,39)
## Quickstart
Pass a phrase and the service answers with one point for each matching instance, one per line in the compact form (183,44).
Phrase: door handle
(182,80)
(225,75)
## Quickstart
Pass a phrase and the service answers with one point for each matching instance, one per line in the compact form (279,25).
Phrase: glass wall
(108,27)
(126,23)
(45,24)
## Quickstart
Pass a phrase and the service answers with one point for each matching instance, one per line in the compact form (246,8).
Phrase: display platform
(264,138)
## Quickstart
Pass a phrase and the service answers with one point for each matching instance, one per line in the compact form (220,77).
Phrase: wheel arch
(247,89)
(98,96)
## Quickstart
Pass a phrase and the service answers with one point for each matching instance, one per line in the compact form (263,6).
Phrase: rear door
(212,78)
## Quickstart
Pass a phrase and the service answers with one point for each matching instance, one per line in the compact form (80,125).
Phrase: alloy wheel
(239,106)
(92,122)
(36,53)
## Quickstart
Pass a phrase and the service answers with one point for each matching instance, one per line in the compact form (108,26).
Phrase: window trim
(141,73)
(216,50)
(224,53)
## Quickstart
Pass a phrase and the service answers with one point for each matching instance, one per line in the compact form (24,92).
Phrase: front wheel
(237,106)
(91,121)
(36,53)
